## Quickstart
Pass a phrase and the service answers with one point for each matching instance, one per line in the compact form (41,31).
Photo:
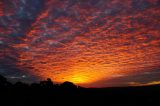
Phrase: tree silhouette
(4,82)
(47,84)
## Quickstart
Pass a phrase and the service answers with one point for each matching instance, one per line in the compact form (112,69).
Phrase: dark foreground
(46,93)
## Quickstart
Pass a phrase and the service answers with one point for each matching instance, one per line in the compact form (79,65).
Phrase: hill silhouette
(46,93)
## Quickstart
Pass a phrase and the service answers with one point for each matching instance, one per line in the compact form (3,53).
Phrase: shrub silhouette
(35,85)
(20,85)
(69,86)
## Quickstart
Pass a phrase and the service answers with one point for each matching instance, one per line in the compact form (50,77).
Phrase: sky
(92,43)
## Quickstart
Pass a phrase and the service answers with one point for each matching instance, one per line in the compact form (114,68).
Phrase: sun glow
(78,79)
(83,73)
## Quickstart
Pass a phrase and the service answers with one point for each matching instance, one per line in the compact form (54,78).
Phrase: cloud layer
(83,41)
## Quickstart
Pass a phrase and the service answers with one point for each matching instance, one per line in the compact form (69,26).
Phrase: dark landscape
(47,93)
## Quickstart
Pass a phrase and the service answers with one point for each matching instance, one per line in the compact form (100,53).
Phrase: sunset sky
(92,43)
